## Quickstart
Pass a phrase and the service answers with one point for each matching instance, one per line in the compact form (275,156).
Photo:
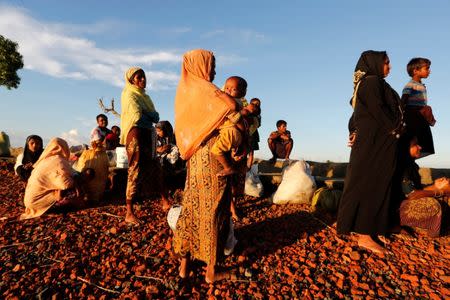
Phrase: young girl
(166,149)
(31,153)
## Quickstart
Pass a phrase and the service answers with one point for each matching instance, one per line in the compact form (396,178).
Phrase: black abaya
(369,189)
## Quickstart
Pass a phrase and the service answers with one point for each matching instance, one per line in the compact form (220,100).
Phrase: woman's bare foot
(132,219)
(384,239)
(226,172)
(211,276)
(366,242)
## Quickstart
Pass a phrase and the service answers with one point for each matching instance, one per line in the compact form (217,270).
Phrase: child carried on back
(233,133)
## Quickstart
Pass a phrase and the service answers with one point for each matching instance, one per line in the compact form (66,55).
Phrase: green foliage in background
(10,62)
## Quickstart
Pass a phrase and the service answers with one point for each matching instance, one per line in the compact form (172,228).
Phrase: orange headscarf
(198,110)
(56,146)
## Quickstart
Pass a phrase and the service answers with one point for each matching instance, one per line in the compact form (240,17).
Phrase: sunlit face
(282,128)
(34,145)
(139,79)
(159,132)
(256,103)
(414,149)
(423,72)
(232,88)
(386,66)
(212,73)
(102,122)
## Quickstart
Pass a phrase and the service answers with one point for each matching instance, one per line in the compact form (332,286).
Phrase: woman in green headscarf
(139,137)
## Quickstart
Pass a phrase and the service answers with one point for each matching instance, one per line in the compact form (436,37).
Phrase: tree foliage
(10,62)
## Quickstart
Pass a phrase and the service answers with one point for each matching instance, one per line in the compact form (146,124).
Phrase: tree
(10,61)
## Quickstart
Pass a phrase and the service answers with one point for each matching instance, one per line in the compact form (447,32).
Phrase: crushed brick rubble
(284,252)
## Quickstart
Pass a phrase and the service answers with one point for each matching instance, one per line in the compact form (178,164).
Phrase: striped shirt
(417,93)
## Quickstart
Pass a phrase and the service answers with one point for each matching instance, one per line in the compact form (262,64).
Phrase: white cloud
(176,30)
(239,35)
(54,50)
(72,137)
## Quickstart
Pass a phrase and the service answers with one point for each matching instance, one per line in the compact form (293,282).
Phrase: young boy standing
(418,114)
(280,141)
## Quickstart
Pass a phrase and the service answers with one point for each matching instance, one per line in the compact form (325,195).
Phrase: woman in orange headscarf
(200,107)
(139,137)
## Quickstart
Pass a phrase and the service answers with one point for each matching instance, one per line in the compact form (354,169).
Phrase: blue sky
(297,56)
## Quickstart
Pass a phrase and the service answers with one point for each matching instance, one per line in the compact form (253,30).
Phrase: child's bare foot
(235,215)
(132,219)
(226,172)
(184,268)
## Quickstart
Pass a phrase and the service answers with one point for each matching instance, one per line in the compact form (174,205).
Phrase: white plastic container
(121,157)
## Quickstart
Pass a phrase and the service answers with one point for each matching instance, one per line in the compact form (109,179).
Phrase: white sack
(297,185)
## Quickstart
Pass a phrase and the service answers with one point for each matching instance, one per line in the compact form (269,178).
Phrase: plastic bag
(253,185)
(327,199)
(173,215)
(297,185)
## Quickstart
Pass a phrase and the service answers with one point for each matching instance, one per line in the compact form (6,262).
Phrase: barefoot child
(418,115)
(280,141)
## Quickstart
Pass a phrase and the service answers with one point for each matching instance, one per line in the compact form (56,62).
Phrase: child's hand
(351,139)
(220,94)
(441,183)
(427,113)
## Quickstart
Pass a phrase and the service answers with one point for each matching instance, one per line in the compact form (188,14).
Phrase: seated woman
(52,182)
(31,153)
(421,207)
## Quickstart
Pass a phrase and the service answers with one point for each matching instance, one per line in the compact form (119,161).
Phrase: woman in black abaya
(369,192)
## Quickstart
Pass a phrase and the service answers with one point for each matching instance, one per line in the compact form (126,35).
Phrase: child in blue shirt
(418,114)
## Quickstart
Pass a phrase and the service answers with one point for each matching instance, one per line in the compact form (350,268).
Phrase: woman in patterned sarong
(421,207)
(138,115)
(200,107)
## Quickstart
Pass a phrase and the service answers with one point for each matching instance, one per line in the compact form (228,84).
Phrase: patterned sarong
(202,227)
(145,175)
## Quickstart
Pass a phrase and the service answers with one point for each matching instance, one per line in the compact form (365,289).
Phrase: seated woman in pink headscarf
(53,182)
